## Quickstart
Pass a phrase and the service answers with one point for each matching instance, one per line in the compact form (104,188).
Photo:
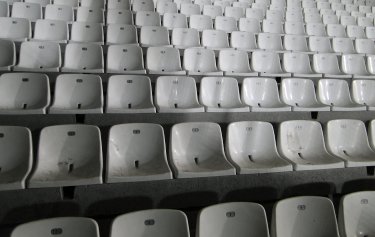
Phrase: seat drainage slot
(136,164)
(79,106)
(251,158)
(196,160)
(24,106)
(175,106)
(129,106)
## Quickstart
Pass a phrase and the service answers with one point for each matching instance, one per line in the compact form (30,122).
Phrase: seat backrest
(121,34)
(163,59)
(199,60)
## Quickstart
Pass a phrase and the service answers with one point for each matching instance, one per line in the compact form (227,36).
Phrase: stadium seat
(16,29)
(323,5)
(365,21)
(347,139)
(200,61)
(371,64)
(316,29)
(294,143)
(262,95)
(330,19)
(267,64)
(270,26)
(8,54)
(200,22)
(86,32)
(343,45)
(212,11)
(320,44)
(312,18)
(144,18)
(215,39)
(30,11)
(39,56)
(179,2)
(364,46)
(356,213)
(118,4)
(294,28)
(275,15)
(268,41)
(68,155)
(177,95)
(93,3)
(163,7)
(189,9)
(341,13)
(164,61)
(202,3)
(227,24)
(157,222)
(119,16)
(255,13)
(355,65)
(125,59)
(351,7)
(251,147)
(292,217)
(183,38)
(51,30)
(347,20)
(336,93)
(221,94)
(364,9)
(59,13)
(336,30)
(328,65)
(77,94)
(70,3)
(129,94)
(241,40)
(370,32)
(87,57)
(143,5)
(235,12)
(300,94)
(154,36)
(4,9)
(85,14)
(240,219)
(362,91)
(70,226)
(196,150)
(174,20)
(249,25)
(298,64)
(337,6)
(235,63)
(356,32)
(297,43)
(141,155)
(17,157)
(121,34)
(24,93)
(293,16)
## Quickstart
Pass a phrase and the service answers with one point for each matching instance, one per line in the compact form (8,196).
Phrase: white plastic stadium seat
(300,94)
(296,43)
(147,18)
(355,65)
(336,94)
(235,63)
(59,13)
(129,94)
(249,24)
(121,34)
(39,56)
(77,94)
(328,65)
(174,20)
(320,44)
(200,61)
(177,95)
(240,219)
(302,143)
(16,29)
(164,61)
(267,63)
(183,38)
(125,59)
(119,16)
(292,217)
(51,30)
(201,22)
(30,11)
(251,147)
(221,94)
(242,40)
(157,223)
(347,139)
(141,155)
(154,36)
(343,45)
(356,213)
(8,54)
(262,95)
(362,91)
(24,93)
(298,64)
(85,57)
(68,155)
(196,150)
(68,226)
(86,14)
(17,157)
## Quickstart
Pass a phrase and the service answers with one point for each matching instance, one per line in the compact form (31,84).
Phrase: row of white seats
(29,93)
(76,3)
(291,217)
(128,59)
(71,155)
